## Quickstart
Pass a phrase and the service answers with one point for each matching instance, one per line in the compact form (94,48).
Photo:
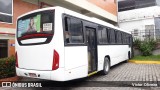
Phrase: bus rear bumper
(56,75)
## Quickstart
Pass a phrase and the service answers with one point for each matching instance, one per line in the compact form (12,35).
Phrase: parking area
(131,72)
(123,72)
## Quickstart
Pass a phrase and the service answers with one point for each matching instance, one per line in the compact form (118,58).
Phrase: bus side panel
(58,41)
(117,53)
(76,61)
(76,73)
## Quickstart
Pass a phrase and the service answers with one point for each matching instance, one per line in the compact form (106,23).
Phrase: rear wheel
(129,57)
(106,66)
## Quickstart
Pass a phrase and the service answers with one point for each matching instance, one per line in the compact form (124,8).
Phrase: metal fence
(146,34)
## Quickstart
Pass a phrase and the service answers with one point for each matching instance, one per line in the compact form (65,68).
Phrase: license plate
(32,75)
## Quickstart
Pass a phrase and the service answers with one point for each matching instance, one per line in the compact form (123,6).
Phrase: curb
(15,78)
(10,79)
(144,62)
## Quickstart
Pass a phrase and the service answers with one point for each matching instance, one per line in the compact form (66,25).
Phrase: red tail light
(16,60)
(55,64)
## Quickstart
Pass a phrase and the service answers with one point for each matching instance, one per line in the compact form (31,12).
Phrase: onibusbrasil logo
(20,84)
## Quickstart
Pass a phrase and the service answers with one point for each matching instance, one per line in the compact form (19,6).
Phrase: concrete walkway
(123,72)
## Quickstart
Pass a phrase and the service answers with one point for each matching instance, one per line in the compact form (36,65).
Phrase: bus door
(92,49)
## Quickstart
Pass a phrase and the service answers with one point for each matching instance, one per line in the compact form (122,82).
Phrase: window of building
(144,3)
(149,31)
(135,32)
(157,26)
(124,5)
(73,31)
(3,48)
(6,11)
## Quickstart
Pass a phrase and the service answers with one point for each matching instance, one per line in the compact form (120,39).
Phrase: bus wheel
(129,57)
(106,66)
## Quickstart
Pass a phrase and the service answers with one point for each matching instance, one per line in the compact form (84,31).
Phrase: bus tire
(106,66)
(129,57)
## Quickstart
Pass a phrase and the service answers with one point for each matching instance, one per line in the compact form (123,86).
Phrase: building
(140,17)
(11,9)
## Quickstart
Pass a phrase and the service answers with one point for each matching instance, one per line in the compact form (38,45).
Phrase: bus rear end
(38,48)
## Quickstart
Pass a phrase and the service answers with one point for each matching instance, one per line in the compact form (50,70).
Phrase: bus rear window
(36,25)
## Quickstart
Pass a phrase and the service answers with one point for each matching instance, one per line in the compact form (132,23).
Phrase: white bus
(58,44)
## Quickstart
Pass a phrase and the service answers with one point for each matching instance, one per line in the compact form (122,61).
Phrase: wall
(103,9)
(108,5)
(139,14)
(19,7)
(136,24)
(136,19)
(158,2)
(11,47)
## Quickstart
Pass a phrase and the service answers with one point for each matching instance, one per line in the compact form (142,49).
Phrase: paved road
(124,72)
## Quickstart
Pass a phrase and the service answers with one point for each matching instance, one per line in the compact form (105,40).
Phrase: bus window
(112,36)
(66,32)
(73,31)
(36,25)
(118,37)
(102,35)
(125,38)
(128,39)
(99,35)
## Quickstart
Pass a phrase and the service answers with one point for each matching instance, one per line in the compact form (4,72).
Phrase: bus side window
(76,31)
(73,31)
(67,27)
(118,37)
(102,35)
(112,36)
(123,38)
(99,35)
(109,35)
(128,39)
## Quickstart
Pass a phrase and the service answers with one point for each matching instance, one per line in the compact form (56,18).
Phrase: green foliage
(144,58)
(146,47)
(7,67)
(137,43)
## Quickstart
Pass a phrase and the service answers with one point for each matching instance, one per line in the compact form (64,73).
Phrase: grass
(147,58)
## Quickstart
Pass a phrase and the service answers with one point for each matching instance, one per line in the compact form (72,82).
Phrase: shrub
(146,47)
(136,43)
(7,67)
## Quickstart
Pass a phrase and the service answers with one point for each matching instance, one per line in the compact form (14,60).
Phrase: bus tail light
(16,60)
(55,64)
